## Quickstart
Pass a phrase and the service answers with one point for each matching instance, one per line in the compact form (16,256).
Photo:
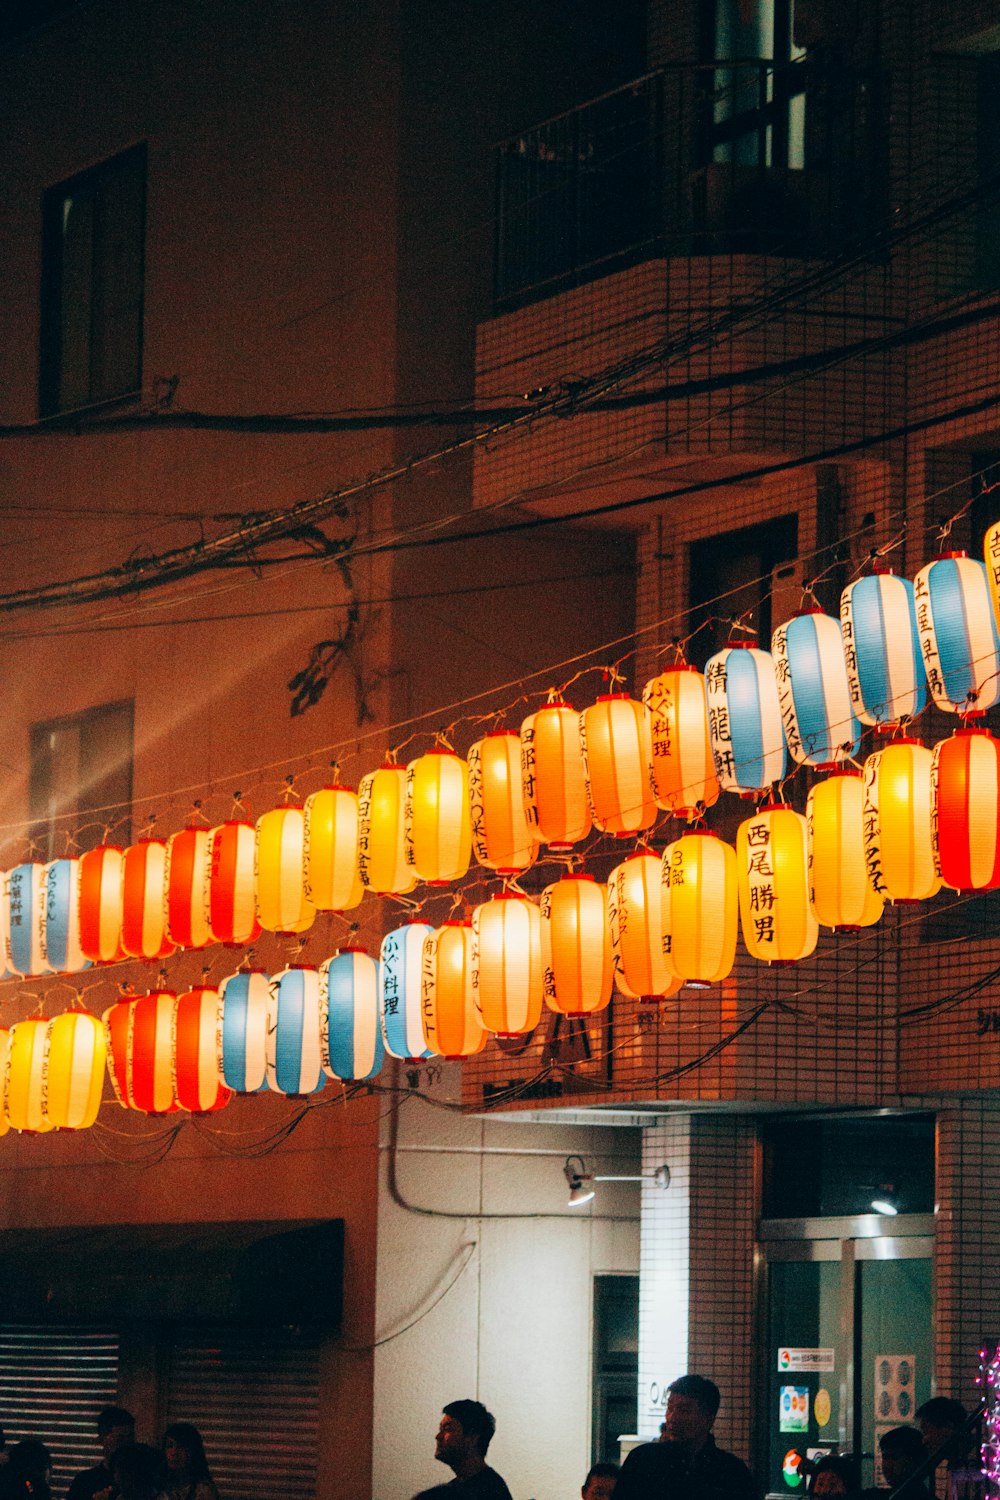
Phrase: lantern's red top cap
(495,734)
(611,697)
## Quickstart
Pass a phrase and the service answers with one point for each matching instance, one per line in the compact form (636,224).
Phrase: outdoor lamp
(26,914)
(437,835)
(700,906)
(244,1005)
(282,904)
(958,634)
(779,925)
(965,778)
(61,924)
(501,837)
(197,1080)
(232,908)
(144,900)
(101,882)
(898,826)
(684,779)
(330,856)
(350,1034)
(75,1059)
(840,890)
(820,724)
(24,1076)
(294,1062)
(579,1180)
(885,1200)
(577,966)
(449,1013)
(187,887)
(637,920)
(399,979)
(381,832)
(507,963)
(878,623)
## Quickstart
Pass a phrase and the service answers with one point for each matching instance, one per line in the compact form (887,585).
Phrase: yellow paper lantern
(507,964)
(684,779)
(617,758)
(501,837)
(4,1044)
(779,925)
(637,921)
(700,901)
(842,896)
(452,1024)
(552,780)
(24,1076)
(282,904)
(898,822)
(438,837)
(382,832)
(330,854)
(76,1056)
(578,972)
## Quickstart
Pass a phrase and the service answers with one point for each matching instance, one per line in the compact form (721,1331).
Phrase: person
(941,1421)
(136,1470)
(835,1474)
(463,1439)
(187,1476)
(600,1482)
(115,1426)
(903,1451)
(28,1472)
(688,1466)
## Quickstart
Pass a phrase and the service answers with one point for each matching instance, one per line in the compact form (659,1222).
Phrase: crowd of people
(128,1470)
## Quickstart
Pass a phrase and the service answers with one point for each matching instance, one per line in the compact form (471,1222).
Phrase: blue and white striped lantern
(61,927)
(958,634)
(349,1016)
(744,719)
(885,672)
(245,1007)
(820,725)
(294,1062)
(399,984)
(26,914)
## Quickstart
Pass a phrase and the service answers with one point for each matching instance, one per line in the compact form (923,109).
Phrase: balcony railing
(728,156)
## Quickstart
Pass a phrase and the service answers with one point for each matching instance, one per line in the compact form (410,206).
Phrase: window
(92,277)
(81,779)
(758,105)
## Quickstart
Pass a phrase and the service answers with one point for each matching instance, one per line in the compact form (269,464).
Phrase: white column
(664,1267)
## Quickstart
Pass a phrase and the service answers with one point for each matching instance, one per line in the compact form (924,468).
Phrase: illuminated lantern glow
(188,855)
(117,1021)
(102,873)
(144,900)
(958,634)
(5,970)
(841,893)
(438,838)
(61,920)
(885,670)
(501,835)
(638,928)
(282,904)
(4,1044)
(198,1086)
(350,1030)
(294,1058)
(26,915)
(553,784)
(813,691)
(744,719)
(577,964)
(451,1021)
(399,991)
(330,849)
(151,1054)
(779,925)
(507,964)
(898,822)
(75,1060)
(382,832)
(232,892)
(700,906)
(617,758)
(24,1076)
(991,558)
(244,1009)
(684,779)
(965,786)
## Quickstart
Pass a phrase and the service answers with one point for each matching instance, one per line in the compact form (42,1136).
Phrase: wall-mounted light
(580,1181)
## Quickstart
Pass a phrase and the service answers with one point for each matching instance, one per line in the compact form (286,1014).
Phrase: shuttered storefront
(53,1382)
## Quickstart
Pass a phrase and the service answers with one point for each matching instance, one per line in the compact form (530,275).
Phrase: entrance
(848,1337)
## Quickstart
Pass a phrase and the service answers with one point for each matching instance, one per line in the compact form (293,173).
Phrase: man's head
(600,1482)
(902,1449)
(692,1403)
(464,1435)
(115,1426)
(940,1418)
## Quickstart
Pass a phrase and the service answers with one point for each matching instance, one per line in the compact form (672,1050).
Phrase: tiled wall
(664,1268)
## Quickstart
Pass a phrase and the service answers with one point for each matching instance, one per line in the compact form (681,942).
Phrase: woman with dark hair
(187,1475)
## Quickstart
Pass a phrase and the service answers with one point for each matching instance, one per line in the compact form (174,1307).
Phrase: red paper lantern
(965,787)
(197,1083)
(232,913)
(151,1054)
(102,873)
(144,900)
(187,888)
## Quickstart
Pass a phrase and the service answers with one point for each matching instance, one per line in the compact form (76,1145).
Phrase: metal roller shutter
(53,1382)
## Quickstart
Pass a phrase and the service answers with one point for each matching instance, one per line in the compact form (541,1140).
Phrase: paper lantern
(501,836)
(507,964)
(965,787)
(282,904)
(842,895)
(437,834)
(577,966)
(330,849)
(4,1044)
(150,1063)
(684,779)
(885,671)
(76,1056)
(188,866)
(244,1010)
(350,1031)
(399,991)
(553,785)
(744,719)
(778,923)
(198,1085)
(26,915)
(637,922)
(117,1022)
(617,760)
(898,822)
(451,1021)
(24,1076)
(61,923)
(144,900)
(232,892)
(294,1059)
(382,832)
(102,873)
(958,634)
(5,970)
(700,906)
(813,691)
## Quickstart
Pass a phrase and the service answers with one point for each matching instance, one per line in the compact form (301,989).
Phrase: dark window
(823,1167)
(92,274)
(81,779)
(731,578)
(616,1363)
